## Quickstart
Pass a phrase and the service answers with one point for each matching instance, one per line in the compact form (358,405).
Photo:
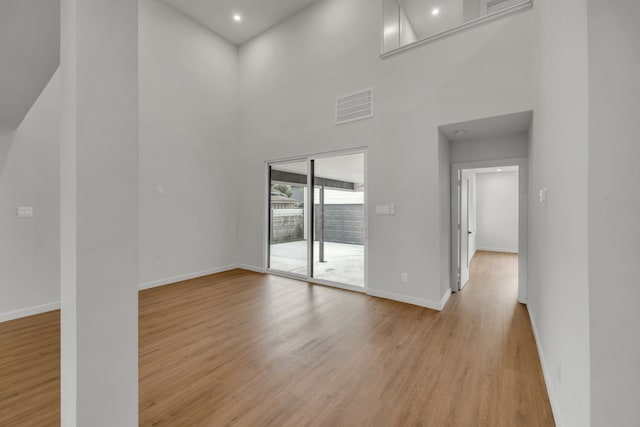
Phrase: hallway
(251,349)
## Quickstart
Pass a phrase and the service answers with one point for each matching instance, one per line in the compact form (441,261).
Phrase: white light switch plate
(543,196)
(386,209)
(25,212)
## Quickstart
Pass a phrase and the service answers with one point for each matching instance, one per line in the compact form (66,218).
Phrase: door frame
(461,234)
(523,214)
(309,221)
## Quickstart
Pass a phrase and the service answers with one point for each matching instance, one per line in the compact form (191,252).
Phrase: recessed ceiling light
(237,17)
(435,11)
(499,170)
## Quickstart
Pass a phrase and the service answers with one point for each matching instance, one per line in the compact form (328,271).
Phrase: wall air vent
(356,106)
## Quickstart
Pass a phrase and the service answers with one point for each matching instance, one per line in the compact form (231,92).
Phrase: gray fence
(342,224)
(287,225)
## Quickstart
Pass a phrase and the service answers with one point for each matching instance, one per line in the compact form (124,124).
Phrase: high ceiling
(425,24)
(257,15)
(29,54)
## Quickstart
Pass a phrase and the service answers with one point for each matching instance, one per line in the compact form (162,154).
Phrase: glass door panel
(339,219)
(288,186)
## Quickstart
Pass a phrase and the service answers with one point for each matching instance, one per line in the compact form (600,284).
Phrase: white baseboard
(251,268)
(434,305)
(30,311)
(493,249)
(546,374)
(183,277)
(445,299)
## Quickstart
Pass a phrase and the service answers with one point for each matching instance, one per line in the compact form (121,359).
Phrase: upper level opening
(410,23)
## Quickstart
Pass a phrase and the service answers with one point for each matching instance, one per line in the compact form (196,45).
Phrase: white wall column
(99,212)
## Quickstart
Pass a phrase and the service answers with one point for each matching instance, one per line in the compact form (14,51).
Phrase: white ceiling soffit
(257,15)
(29,54)
(349,168)
(489,127)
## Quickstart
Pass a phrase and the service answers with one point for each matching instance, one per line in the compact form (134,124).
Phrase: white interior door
(464,232)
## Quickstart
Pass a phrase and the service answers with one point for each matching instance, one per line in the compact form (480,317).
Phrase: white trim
(30,311)
(251,268)
(434,305)
(307,278)
(183,277)
(505,250)
(17,314)
(523,214)
(555,408)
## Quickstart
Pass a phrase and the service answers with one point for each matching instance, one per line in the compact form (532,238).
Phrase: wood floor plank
(241,348)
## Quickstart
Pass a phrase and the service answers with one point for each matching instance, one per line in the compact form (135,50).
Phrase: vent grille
(356,106)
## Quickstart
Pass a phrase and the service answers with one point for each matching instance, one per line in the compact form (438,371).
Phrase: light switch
(160,190)
(386,209)
(25,212)
(543,196)
(383,210)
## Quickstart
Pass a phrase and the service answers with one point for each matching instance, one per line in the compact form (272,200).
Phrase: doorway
(317,219)
(488,217)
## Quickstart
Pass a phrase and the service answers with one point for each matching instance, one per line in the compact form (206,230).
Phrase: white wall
(188,137)
(558,284)
(188,128)
(514,146)
(444,201)
(290,76)
(29,174)
(497,211)
(614,210)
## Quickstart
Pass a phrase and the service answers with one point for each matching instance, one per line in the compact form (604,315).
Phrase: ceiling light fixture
(460,132)
(499,170)
(237,17)
(435,12)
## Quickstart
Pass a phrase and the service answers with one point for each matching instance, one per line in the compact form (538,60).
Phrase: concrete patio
(344,262)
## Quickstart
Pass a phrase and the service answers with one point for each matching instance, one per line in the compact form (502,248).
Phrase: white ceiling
(257,15)
(490,127)
(349,168)
(424,23)
(29,54)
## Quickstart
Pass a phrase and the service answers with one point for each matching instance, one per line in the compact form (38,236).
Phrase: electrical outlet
(159,265)
(405,277)
(160,190)
(25,212)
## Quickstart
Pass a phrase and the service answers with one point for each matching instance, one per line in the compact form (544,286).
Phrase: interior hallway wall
(290,76)
(29,176)
(497,211)
(558,283)
(614,210)
(503,147)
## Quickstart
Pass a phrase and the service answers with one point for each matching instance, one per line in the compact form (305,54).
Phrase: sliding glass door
(288,249)
(321,234)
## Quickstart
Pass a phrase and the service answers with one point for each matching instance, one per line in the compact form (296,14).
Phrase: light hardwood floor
(240,348)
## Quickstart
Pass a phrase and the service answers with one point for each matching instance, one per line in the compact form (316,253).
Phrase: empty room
(319,213)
